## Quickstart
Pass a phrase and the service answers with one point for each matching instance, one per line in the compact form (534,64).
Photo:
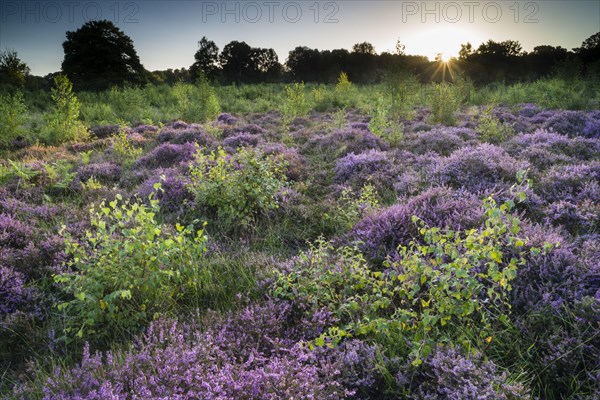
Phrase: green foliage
(450,288)
(13,115)
(129,104)
(352,206)
(62,122)
(92,184)
(444,102)
(562,94)
(20,171)
(208,99)
(127,269)
(13,71)
(343,85)
(236,187)
(125,152)
(295,103)
(99,55)
(196,103)
(60,174)
(491,130)
(383,125)
(338,119)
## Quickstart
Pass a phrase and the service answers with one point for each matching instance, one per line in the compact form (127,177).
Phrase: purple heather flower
(167,155)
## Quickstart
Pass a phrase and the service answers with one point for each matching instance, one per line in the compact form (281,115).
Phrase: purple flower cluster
(372,166)
(14,233)
(544,149)
(181,133)
(12,291)
(442,141)
(295,162)
(104,131)
(104,172)
(254,354)
(174,196)
(450,374)
(479,168)
(345,141)
(242,139)
(571,123)
(227,119)
(379,234)
(167,155)
(570,182)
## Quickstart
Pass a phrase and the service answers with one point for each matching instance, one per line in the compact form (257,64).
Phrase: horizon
(165,34)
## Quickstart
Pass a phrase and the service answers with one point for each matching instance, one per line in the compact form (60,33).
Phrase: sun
(440,40)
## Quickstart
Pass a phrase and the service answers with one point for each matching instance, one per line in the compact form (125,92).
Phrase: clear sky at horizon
(165,33)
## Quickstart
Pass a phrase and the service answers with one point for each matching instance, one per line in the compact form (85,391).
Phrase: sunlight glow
(445,40)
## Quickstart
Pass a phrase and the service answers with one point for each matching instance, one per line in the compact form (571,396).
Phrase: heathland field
(292,241)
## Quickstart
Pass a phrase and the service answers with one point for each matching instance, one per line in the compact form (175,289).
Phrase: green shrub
(22,172)
(382,124)
(196,103)
(125,153)
(451,288)
(127,269)
(352,207)
(295,103)
(444,102)
(13,115)
(62,122)
(236,187)
(491,130)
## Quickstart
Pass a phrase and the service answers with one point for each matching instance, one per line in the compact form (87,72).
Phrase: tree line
(99,55)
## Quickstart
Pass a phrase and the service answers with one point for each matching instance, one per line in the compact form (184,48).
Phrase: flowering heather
(144,128)
(355,365)
(565,349)
(242,139)
(479,168)
(592,128)
(371,166)
(577,218)
(570,123)
(295,168)
(42,256)
(227,119)
(528,110)
(545,149)
(191,134)
(167,155)
(12,290)
(550,279)
(450,374)
(442,141)
(360,125)
(382,232)
(25,210)
(541,117)
(345,141)
(173,196)
(178,125)
(105,172)
(567,182)
(104,131)
(253,354)
(14,233)
(252,129)
(418,126)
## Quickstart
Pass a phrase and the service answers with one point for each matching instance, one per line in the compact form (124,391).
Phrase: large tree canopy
(206,59)
(13,71)
(99,55)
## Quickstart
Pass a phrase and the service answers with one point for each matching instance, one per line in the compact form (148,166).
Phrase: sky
(165,33)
